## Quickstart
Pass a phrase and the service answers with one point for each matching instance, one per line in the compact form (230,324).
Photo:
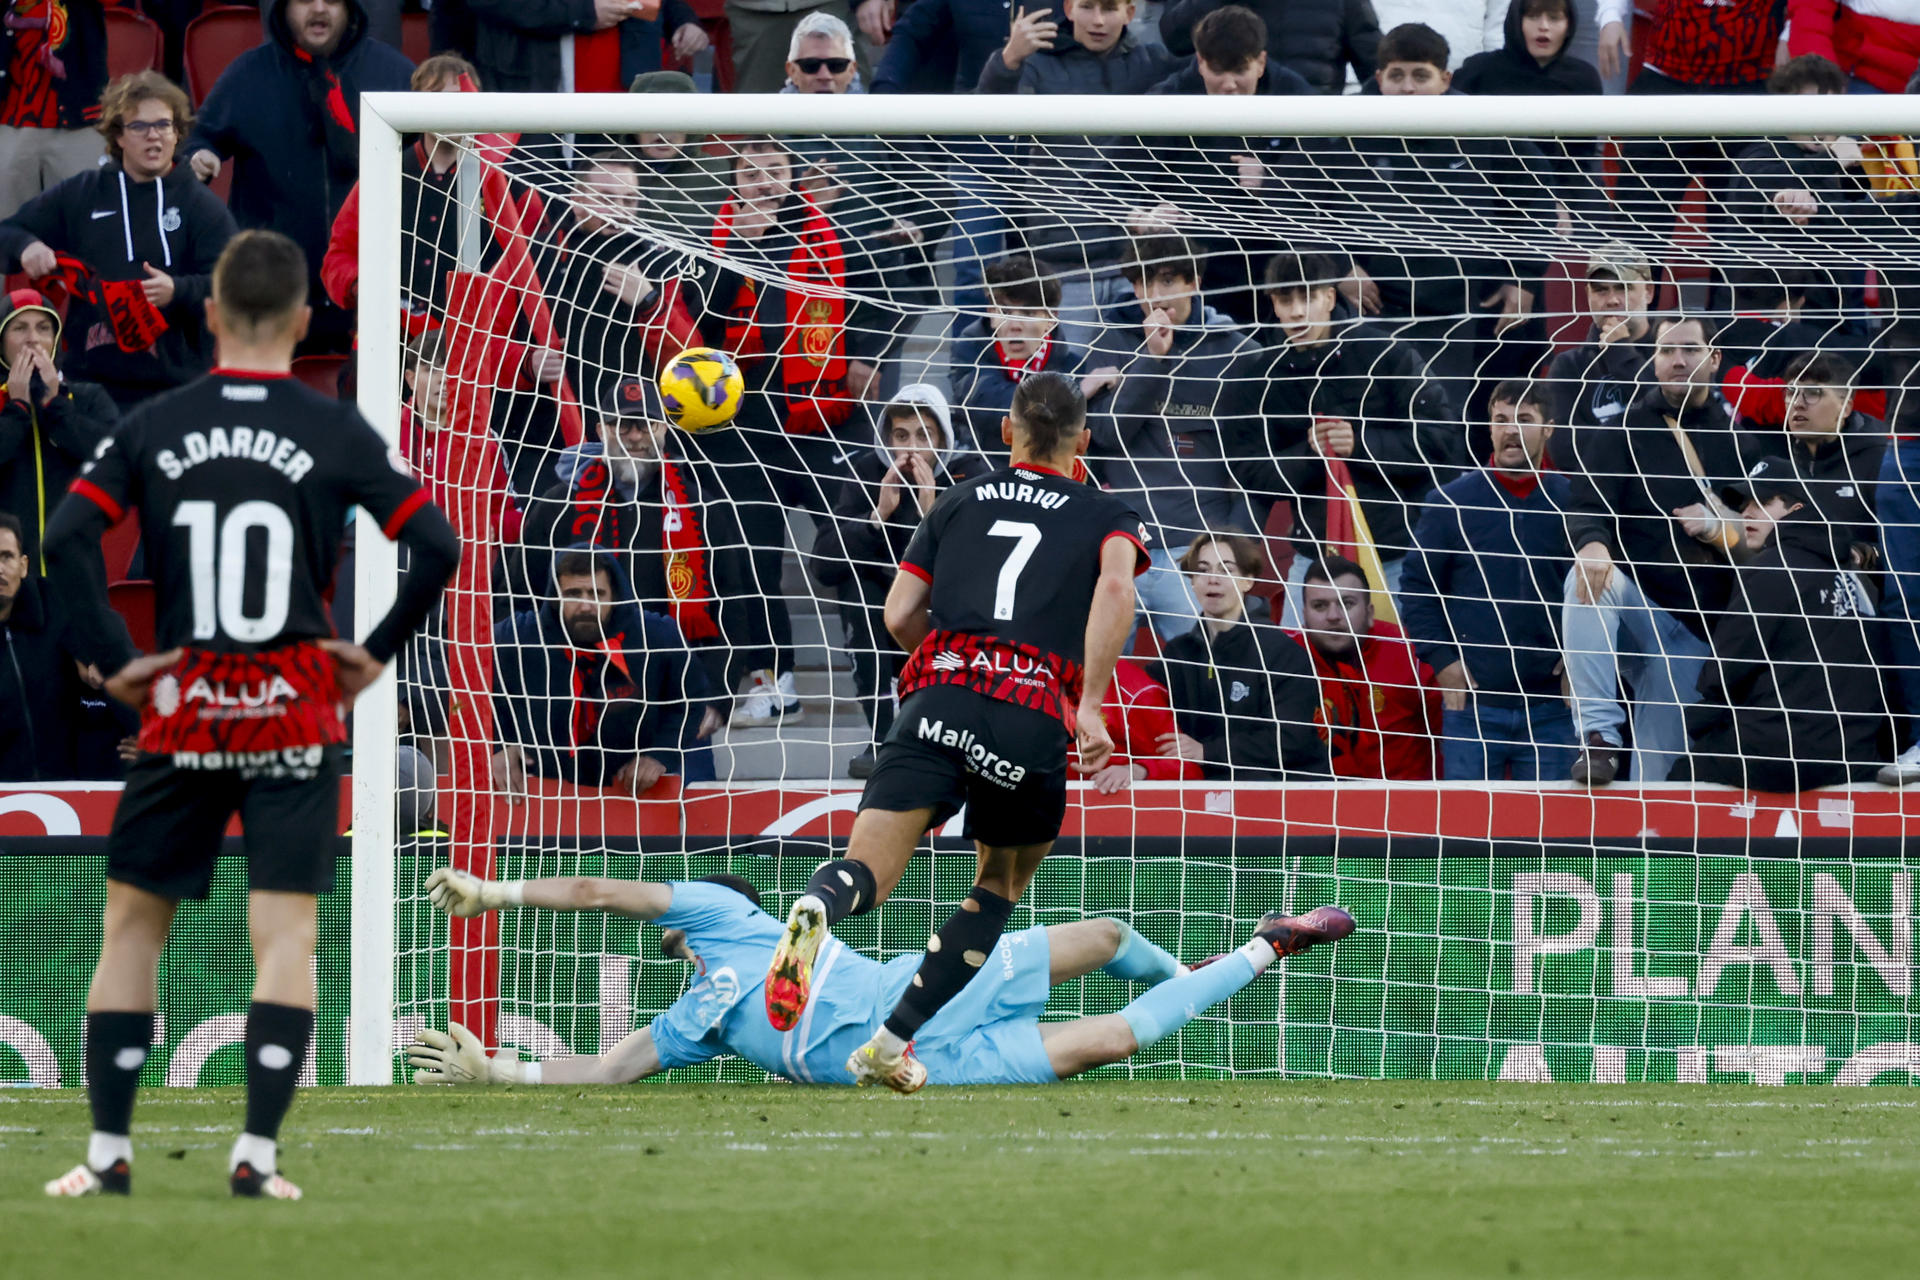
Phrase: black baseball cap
(633,398)
(1770,478)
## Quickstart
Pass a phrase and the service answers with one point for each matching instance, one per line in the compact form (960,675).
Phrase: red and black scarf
(1018,369)
(591,689)
(599,517)
(813,348)
(136,323)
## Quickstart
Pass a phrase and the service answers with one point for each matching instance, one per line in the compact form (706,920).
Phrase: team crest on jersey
(170,220)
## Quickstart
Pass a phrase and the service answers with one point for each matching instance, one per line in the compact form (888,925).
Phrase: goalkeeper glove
(460,894)
(459,1058)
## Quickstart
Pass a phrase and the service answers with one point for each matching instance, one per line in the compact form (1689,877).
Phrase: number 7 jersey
(1012,558)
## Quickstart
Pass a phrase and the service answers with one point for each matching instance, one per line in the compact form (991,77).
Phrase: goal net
(1471,463)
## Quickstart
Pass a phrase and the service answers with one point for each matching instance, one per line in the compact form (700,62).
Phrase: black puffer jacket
(1771,714)
(1407,439)
(1318,39)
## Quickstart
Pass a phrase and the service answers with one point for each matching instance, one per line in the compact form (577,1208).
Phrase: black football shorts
(173,816)
(951,747)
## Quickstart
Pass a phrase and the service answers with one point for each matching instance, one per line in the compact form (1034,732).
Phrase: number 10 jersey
(1012,558)
(243,484)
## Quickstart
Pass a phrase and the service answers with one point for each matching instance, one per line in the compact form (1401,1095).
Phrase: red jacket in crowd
(1379,710)
(1876,40)
(1138,711)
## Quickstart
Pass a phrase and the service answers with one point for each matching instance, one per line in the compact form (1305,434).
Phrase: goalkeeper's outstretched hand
(460,894)
(438,1057)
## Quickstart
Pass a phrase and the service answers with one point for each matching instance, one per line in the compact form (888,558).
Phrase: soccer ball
(700,389)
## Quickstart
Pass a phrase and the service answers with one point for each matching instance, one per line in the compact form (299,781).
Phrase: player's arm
(434,553)
(459,893)
(1109,622)
(456,1056)
(77,569)
(908,615)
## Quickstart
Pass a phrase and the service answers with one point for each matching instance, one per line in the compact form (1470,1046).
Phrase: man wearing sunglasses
(767,38)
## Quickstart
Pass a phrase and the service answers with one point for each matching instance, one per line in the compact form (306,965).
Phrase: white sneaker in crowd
(766,701)
(1904,770)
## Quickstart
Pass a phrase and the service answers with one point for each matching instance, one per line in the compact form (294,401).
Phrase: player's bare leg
(954,954)
(1086,1043)
(120,1006)
(279,1032)
(877,855)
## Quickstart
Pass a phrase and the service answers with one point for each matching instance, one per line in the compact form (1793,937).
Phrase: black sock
(954,955)
(116,1050)
(845,886)
(277,1040)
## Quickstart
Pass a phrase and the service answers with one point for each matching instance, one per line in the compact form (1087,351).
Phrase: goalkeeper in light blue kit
(990,1033)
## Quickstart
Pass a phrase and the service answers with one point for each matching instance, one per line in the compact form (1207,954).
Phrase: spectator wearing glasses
(765,43)
(287,114)
(133,243)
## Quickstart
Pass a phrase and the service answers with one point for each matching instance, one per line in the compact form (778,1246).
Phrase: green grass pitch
(1110,1179)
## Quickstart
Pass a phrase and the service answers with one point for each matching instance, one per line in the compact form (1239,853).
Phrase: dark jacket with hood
(51,717)
(44,445)
(1485,581)
(1513,71)
(1407,439)
(116,226)
(1164,427)
(39,96)
(290,123)
(1635,479)
(1791,697)
(983,384)
(1316,39)
(1248,695)
(1841,475)
(1592,385)
(583,713)
(851,552)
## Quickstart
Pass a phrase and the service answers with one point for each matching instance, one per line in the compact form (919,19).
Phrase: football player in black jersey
(243,481)
(1014,598)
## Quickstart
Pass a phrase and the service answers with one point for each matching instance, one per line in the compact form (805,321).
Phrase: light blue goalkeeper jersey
(724,1012)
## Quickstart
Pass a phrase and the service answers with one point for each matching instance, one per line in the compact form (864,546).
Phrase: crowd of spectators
(1400,528)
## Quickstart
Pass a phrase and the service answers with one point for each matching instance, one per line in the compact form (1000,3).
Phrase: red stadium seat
(416,37)
(118,546)
(322,373)
(133,43)
(134,601)
(215,39)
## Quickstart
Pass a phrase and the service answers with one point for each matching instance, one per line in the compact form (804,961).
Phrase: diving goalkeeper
(990,1033)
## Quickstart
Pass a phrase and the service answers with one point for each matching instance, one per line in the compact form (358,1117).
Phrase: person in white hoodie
(857,551)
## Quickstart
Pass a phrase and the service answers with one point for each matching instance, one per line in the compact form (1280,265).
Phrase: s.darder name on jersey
(254,443)
(1012,492)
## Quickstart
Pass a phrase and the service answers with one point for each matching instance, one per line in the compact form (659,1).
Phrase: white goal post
(387,118)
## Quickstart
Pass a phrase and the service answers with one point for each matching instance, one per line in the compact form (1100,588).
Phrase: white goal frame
(386,117)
